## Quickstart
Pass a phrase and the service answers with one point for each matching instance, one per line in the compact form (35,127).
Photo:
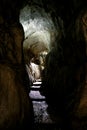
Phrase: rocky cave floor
(42,119)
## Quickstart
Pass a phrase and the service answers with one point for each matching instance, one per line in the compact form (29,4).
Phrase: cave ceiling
(42,17)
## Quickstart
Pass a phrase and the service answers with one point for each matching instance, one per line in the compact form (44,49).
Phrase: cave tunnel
(43,64)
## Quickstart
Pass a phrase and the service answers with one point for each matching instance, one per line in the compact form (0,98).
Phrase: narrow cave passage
(52,36)
(40,36)
(68,65)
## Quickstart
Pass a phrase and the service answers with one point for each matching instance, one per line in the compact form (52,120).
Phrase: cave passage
(40,35)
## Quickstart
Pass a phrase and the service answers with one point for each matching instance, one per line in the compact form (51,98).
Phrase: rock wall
(63,79)
(16,110)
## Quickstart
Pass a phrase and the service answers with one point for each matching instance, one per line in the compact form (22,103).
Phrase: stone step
(37,83)
(36,95)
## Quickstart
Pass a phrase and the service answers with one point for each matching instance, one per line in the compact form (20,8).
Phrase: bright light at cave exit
(37,25)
